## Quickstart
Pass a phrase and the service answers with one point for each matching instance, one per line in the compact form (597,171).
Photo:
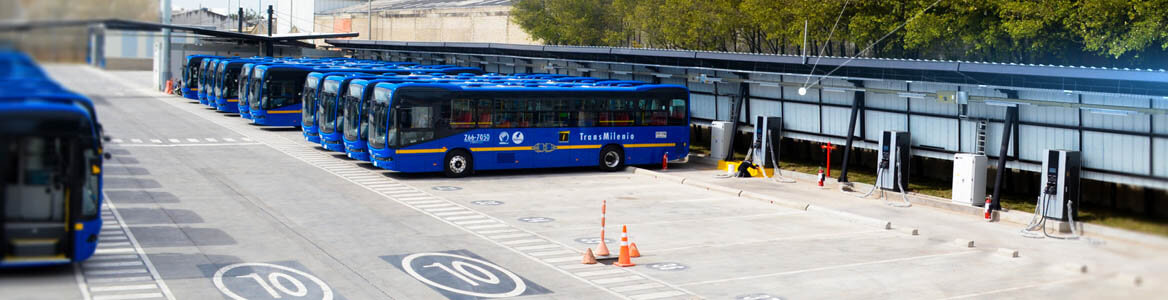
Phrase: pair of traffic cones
(627,251)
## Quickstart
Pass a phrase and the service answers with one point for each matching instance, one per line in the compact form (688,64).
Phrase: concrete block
(670,178)
(963,243)
(1127,279)
(1008,253)
(1076,268)
(774,200)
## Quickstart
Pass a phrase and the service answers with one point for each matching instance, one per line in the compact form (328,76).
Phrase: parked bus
(354,108)
(50,157)
(422,127)
(309,99)
(192,72)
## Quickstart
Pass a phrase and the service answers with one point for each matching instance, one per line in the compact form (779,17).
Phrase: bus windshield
(219,75)
(231,83)
(352,113)
(380,117)
(308,101)
(244,74)
(327,115)
(40,169)
(280,89)
(254,89)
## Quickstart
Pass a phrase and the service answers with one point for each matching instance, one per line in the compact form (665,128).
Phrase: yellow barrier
(732,166)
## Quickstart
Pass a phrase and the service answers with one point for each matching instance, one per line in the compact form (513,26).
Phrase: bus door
(34,203)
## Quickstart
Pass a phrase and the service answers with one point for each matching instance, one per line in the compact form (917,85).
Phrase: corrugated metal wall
(1120,145)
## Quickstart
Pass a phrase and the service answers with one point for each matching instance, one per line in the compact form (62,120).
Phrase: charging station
(768,131)
(894,157)
(1060,185)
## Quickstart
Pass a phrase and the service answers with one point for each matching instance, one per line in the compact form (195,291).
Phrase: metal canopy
(119,24)
(1085,79)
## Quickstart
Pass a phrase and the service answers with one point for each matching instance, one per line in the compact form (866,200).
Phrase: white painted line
(173,140)
(600,273)
(434,205)
(563,259)
(636,287)
(120,279)
(579,266)
(193,140)
(117,141)
(114,245)
(113,257)
(115,250)
(211,140)
(115,238)
(538,247)
(486,226)
(657,295)
(475,221)
(156,141)
(112,264)
(115,288)
(618,279)
(425,202)
(520,242)
(892,260)
(507,236)
(553,252)
(246,139)
(456,218)
(116,272)
(81,285)
(141,253)
(454,213)
(129,296)
(229,139)
(136,141)
(444,209)
(1023,287)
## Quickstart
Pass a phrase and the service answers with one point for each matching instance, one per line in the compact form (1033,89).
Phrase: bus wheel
(459,163)
(612,158)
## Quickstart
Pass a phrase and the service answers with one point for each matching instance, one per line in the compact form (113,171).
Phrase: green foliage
(1102,32)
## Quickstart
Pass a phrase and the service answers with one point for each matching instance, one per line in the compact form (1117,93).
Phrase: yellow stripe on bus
(232,100)
(284,111)
(517,148)
(194,89)
(650,145)
(417,151)
(570,147)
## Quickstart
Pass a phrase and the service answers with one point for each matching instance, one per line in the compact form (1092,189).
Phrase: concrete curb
(773,200)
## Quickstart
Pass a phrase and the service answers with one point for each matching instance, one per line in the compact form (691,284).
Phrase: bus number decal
(476,138)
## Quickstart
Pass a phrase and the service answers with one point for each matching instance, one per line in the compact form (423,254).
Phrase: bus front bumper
(332,142)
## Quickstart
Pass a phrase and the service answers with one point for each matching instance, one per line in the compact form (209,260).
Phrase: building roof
(381,5)
(1078,78)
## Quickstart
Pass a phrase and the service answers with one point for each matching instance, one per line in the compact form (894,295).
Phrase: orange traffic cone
(602,249)
(589,259)
(633,252)
(623,260)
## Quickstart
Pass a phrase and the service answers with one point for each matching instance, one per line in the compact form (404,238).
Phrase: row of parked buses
(50,168)
(455,120)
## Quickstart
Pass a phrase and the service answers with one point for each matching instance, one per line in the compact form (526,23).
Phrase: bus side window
(485,112)
(462,114)
(677,112)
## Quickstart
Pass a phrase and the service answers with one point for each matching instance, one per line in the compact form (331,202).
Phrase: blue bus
(228,83)
(309,99)
(50,154)
(192,72)
(329,110)
(457,129)
(354,107)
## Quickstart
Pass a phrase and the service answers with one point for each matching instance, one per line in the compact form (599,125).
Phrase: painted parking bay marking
(460,274)
(269,281)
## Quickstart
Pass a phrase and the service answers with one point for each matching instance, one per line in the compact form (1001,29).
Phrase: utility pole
(270,11)
(240,17)
(370,20)
(804,41)
(164,65)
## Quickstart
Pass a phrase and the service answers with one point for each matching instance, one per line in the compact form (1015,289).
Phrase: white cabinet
(969,179)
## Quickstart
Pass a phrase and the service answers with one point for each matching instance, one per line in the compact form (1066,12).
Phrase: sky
(222,5)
